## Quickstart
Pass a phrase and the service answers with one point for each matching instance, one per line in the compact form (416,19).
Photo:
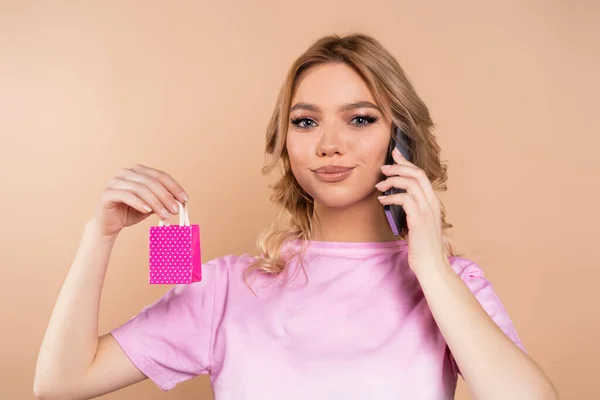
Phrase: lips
(331,169)
(333,173)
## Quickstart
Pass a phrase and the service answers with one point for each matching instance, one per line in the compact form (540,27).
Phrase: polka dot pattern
(173,258)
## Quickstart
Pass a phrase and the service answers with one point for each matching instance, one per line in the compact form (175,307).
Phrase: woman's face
(337,138)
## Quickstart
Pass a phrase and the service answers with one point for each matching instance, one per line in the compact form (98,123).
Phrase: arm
(73,363)
(491,364)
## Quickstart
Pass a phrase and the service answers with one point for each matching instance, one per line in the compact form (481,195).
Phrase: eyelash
(370,119)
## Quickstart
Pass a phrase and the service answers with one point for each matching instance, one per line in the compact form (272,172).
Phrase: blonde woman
(336,306)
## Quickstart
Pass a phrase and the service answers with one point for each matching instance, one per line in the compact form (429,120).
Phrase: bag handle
(184,216)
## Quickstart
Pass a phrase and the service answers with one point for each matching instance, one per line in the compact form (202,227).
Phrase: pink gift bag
(175,251)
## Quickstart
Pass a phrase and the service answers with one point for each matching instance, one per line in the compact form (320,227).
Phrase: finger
(411,186)
(405,200)
(399,158)
(117,196)
(166,180)
(412,171)
(155,185)
(143,192)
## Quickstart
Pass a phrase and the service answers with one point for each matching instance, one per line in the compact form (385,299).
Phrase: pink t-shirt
(358,328)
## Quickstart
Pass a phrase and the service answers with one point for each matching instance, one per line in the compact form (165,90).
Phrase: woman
(336,306)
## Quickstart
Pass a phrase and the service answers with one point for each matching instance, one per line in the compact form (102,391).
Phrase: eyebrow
(344,107)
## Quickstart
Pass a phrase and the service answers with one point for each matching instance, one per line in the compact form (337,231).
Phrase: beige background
(89,87)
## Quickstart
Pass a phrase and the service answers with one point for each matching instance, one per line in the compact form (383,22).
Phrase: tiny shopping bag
(175,256)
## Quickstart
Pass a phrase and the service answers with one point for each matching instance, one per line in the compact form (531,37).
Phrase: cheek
(298,152)
(371,153)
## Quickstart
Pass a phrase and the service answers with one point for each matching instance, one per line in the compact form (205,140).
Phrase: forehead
(331,85)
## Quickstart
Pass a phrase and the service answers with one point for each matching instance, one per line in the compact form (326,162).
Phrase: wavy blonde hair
(399,102)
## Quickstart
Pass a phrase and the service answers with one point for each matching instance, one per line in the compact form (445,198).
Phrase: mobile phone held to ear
(395,214)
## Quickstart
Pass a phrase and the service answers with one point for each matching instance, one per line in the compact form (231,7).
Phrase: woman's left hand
(422,208)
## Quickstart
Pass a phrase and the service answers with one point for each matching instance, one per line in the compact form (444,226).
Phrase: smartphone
(395,214)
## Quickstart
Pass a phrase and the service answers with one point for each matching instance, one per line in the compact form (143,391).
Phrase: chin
(340,197)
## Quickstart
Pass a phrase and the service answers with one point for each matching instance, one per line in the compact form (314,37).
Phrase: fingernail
(386,166)
(378,185)
(175,208)
(164,213)
(186,198)
(147,208)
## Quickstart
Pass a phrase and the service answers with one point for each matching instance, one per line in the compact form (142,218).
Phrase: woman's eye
(363,120)
(303,122)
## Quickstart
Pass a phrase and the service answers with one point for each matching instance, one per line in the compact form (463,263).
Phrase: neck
(363,221)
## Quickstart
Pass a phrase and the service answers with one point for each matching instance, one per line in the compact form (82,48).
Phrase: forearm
(491,364)
(71,339)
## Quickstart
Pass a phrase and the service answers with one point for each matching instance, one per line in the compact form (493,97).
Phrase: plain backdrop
(188,87)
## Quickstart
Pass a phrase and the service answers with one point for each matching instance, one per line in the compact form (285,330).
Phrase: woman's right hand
(133,195)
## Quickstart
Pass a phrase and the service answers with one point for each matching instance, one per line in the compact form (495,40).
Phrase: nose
(330,143)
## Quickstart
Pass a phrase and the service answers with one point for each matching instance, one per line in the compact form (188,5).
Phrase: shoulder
(472,275)
(465,267)
(219,275)
(225,269)
(228,263)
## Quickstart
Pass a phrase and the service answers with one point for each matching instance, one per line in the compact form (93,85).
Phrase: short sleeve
(472,275)
(170,341)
